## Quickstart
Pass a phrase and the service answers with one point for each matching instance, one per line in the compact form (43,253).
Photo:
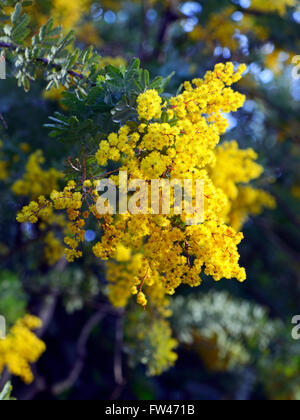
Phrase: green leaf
(17,13)
(132,70)
(146,78)
(5,394)
(21,30)
(138,86)
(7,29)
(13,298)
(114,72)
(166,80)
(156,83)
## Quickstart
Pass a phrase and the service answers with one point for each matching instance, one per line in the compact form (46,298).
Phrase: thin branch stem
(81,351)
(4,378)
(4,123)
(118,368)
(47,62)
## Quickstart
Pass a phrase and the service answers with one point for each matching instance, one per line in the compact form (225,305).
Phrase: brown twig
(81,352)
(280,243)
(144,29)
(171,15)
(118,369)
(291,215)
(4,123)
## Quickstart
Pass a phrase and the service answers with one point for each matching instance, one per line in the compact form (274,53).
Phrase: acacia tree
(115,118)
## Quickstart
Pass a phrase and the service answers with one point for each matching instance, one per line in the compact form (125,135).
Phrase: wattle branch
(47,62)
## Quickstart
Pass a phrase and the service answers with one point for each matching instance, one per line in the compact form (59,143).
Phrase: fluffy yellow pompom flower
(36,181)
(54,250)
(21,348)
(87,184)
(149,105)
(154,165)
(123,254)
(234,169)
(141,299)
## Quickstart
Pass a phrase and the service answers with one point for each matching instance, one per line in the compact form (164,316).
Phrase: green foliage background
(235,340)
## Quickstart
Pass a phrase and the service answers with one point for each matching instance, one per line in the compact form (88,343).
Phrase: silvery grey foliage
(46,52)
(238,328)
(5,394)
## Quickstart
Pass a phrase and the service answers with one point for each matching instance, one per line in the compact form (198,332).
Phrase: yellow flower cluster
(167,252)
(3,166)
(279,6)
(65,12)
(89,34)
(151,255)
(123,278)
(34,211)
(234,166)
(54,250)
(113,61)
(25,147)
(55,95)
(70,14)
(150,340)
(35,184)
(275,62)
(160,338)
(296,191)
(250,201)
(212,96)
(21,348)
(42,209)
(124,281)
(222,29)
(3,171)
(149,105)
(234,169)
(37,181)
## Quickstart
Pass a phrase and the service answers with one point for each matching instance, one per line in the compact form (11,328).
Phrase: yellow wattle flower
(21,348)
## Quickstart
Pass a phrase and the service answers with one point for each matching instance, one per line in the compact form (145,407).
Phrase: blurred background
(235,341)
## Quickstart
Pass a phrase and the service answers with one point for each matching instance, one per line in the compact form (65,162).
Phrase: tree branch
(47,62)
(4,123)
(81,351)
(271,234)
(171,15)
(118,369)
(4,378)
